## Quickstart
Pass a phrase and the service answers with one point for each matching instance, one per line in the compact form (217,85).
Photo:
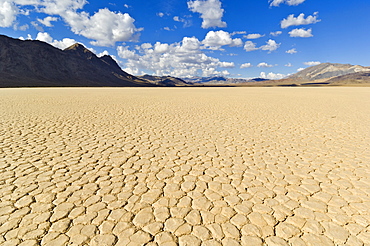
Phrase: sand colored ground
(185,166)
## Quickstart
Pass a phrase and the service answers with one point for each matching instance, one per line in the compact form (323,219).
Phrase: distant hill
(203,80)
(34,63)
(353,78)
(165,80)
(326,71)
(220,80)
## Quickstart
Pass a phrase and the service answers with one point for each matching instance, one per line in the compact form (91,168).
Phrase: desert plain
(185,166)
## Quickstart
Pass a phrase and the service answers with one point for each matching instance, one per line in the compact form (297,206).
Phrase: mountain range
(33,63)
(165,80)
(327,70)
(219,80)
(352,78)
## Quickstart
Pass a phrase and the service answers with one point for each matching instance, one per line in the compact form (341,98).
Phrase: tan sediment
(185,166)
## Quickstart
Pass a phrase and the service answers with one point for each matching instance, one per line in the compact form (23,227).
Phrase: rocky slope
(326,71)
(34,63)
(205,80)
(165,80)
(353,78)
(220,80)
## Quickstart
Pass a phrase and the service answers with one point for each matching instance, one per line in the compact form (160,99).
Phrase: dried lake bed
(185,166)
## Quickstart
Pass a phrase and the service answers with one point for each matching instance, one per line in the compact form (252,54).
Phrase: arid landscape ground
(185,166)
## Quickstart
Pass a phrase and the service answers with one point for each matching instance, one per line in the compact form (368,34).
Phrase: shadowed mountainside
(165,80)
(220,80)
(353,78)
(34,63)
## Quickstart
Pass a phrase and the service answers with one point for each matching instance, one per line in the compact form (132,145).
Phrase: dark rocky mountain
(326,71)
(34,63)
(258,80)
(165,80)
(204,80)
(220,80)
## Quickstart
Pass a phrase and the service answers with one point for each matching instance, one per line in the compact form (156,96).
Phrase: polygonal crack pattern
(185,166)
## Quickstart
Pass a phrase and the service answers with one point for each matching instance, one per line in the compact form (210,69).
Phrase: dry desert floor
(185,166)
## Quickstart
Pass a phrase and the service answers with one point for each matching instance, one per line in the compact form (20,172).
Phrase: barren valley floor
(185,166)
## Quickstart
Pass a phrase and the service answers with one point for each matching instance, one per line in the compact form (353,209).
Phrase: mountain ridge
(33,63)
(326,71)
(165,80)
(219,80)
(354,78)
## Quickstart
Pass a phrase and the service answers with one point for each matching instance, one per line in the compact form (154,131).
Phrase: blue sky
(241,39)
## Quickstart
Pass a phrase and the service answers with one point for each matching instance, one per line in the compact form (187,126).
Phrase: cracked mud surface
(185,166)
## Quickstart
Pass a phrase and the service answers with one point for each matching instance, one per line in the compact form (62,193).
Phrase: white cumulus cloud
(47,21)
(146,45)
(250,46)
(277,33)
(180,59)
(227,64)
(215,40)
(272,75)
(9,9)
(105,27)
(238,32)
(264,64)
(29,37)
(210,11)
(161,48)
(288,65)
(124,52)
(22,28)
(246,65)
(104,53)
(276,3)
(270,45)
(299,20)
(57,7)
(291,51)
(8,13)
(301,33)
(294,2)
(253,36)
(312,63)
(45,37)
(61,44)
(187,23)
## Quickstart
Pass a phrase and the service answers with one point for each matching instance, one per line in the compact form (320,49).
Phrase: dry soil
(185,166)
